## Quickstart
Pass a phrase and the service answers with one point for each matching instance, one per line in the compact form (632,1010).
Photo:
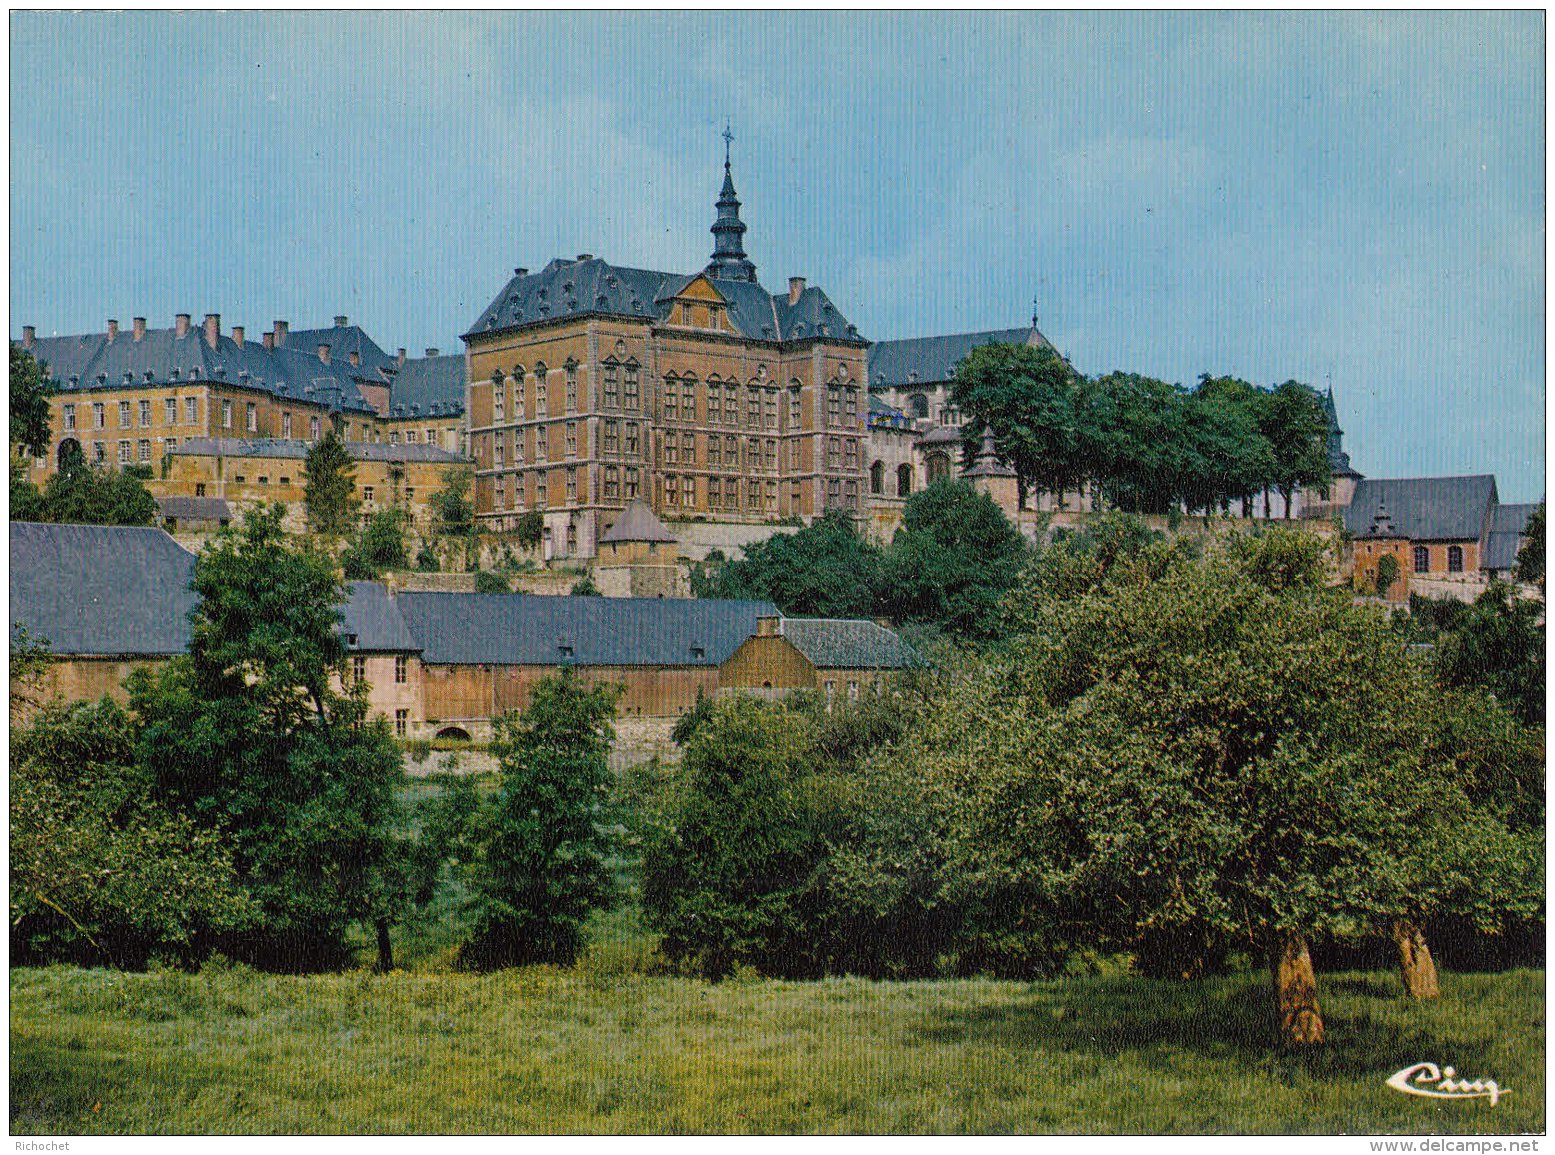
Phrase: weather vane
(728,137)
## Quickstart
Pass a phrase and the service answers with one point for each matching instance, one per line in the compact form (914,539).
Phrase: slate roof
(101,589)
(197,508)
(343,339)
(372,621)
(429,387)
(1426,508)
(530,630)
(838,642)
(89,361)
(1506,534)
(580,288)
(292,449)
(925,360)
(637,523)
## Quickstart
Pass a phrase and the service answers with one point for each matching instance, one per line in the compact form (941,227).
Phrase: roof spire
(729,261)
(1035,298)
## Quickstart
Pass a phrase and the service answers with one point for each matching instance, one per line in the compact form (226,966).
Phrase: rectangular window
(689,445)
(772,495)
(145,414)
(852,405)
(731,450)
(731,404)
(795,408)
(612,386)
(752,495)
(771,408)
(401,664)
(771,455)
(833,405)
(753,407)
(671,447)
(251,418)
(851,494)
(612,437)
(499,396)
(833,452)
(671,399)
(264,479)
(145,449)
(572,439)
(715,449)
(793,454)
(541,499)
(853,691)
(850,454)
(358,668)
(633,446)
(170,411)
(612,481)
(431,436)
(753,453)
(286,425)
(99,418)
(401,722)
(541,405)
(572,483)
(671,489)
(394,437)
(313,429)
(518,491)
(631,483)
(499,451)
(367,494)
(731,493)
(124,414)
(542,449)
(631,387)
(226,415)
(191,410)
(714,492)
(572,389)
(124,452)
(834,492)
(410,437)
(70,416)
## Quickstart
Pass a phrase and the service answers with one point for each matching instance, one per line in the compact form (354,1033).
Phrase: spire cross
(728,137)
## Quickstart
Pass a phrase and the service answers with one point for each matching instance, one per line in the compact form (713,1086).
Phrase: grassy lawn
(607,1048)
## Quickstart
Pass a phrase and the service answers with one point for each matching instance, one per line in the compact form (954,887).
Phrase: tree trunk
(1415,965)
(1287,505)
(385,949)
(1295,992)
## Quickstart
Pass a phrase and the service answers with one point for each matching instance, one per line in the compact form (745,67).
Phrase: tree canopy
(825,570)
(329,490)
(29,401)
(83,494)
(1027,397)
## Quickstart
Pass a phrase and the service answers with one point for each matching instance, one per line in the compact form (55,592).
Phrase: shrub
(487,582)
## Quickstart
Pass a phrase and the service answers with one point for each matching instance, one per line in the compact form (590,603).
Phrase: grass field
(606,1048)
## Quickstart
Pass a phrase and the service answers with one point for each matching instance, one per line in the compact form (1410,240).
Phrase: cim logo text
(1435,1082)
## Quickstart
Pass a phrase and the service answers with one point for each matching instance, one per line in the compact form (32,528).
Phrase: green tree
(1387,574)
(824,570)
(529,529)
(83,494)
(29,400)
(380,546)
(1027,397)
(1530,554)
(249,735)
(1296,428)
(584,587)
(1497,643)
(329,491)
(1236,461)
(1138,442)
(951,561)
(453,515)
(487,582)
(541,844)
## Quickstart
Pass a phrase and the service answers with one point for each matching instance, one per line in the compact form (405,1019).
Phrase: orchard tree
(1026,396)
(329,491)
(251,735)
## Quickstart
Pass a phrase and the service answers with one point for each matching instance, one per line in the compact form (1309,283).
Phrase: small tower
(998,481)
(729,260)
(1382,540)
(639,557)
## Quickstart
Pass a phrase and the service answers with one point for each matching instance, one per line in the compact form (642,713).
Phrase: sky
(1343,198)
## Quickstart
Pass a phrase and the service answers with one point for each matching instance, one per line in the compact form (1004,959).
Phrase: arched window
(1422,559)
(919,404)
(1454,559)
(877,477)
(939,467)
(903,480)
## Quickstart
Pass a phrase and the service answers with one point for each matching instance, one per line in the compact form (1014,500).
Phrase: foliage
(1225,421)
(1387,574)
(426,559)
(1530,554)
(693,719)
(1026,396)
(825,570)
(953,558)
(83,494)
(487,582)
(329,489)
(249,736)
(29,402)
(453,513)
(539,847)
(379,547)
(1497,643)
(100,873)
(1296,427)
(1136,430)
(529,529)
(29,662)
(584,587)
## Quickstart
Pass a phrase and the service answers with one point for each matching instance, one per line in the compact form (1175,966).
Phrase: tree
(1297,430)
(1387,574)
(1215,751)
(529,530)
(1530,554)
(1236,460)
(379,547)
(1497,643)
(1026,396)
(1137,433)
(487,582)
(329,492)
(83,494)
(584,587)
(825,570)
(453,515)
(250,735)
(953,558)
(29,400)
(543,840)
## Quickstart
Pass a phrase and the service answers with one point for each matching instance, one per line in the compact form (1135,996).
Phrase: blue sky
(1354,198)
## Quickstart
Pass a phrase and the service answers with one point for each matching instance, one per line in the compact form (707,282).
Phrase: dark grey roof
(160,357)
(531,630)
(199,508)
(1506,534)
(290,448)
(101,589)
(834,642)
(577,288)
(637,523)
(926,360)
(429,387)
(343,340)
(1425,508)
(372,620)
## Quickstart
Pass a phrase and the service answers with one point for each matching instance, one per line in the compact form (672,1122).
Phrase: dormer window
(698,652)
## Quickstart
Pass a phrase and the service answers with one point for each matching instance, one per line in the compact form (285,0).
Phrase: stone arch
(939,467)
(877,477)
(453,734)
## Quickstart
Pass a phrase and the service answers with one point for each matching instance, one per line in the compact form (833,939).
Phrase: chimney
(267,339)
(237,336)
(324,352)
(767,627)
(400,356)
(113,329)
(29,335)
(342,322)
(140,327)
(585,257)
(213,330)
(181,325)
(795,287)
(280,332)
(354,357)
(432,351)
(521,272)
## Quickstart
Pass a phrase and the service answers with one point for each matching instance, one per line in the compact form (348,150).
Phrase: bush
(487,582)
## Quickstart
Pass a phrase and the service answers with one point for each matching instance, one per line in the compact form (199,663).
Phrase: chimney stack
(140,327)
(267,339)
(237,336)
(400,357)
(432,351)
(181,325)
(795,288)
(30,334)
(213,330)
(324,352)
(280,332)
(341,322)
(113,329)
(767,627)
(354,357)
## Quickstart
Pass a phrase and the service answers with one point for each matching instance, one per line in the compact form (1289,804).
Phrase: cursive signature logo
(1414,1081)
